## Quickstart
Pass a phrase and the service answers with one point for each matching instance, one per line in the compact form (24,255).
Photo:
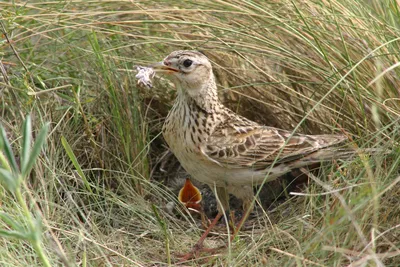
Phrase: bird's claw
(196,251)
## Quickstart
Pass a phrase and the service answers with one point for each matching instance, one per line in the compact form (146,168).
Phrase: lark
(222,149)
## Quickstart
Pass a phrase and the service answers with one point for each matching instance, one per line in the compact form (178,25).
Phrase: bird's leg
(198,247)
(247,208)
(223,204)
(222,196)
(199,244)
(232,221)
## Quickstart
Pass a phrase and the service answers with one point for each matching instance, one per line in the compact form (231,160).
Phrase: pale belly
(213,174)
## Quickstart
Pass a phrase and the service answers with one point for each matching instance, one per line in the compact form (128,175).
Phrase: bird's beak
(190,196)
(161,67)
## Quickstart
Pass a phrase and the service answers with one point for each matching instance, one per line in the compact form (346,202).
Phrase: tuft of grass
(313,66)
(13,177)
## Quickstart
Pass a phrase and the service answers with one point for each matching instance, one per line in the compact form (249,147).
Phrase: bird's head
(191,70)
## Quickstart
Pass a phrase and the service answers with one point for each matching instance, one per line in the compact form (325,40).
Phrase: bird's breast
(181,130)
(186,130)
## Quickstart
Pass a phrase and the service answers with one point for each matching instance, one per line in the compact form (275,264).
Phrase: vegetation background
(96,195)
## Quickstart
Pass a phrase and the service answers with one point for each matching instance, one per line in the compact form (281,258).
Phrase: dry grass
(313,66)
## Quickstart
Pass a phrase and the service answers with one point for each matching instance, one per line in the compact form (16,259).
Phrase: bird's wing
(259,146)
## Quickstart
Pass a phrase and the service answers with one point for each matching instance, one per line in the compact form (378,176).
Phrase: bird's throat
(205,97)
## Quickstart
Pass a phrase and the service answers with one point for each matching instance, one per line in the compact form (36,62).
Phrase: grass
(97,190)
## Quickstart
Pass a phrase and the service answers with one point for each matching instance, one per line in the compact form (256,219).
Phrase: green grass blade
(9,180)
(36,149)
(8,151)
(3,161)
(26,142)
(14,234)
(74,161)
(164,228)
(11,222)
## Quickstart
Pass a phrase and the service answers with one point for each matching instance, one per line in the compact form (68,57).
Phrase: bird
(190,196)
(226,151)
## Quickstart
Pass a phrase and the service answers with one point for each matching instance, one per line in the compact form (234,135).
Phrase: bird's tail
(332,153)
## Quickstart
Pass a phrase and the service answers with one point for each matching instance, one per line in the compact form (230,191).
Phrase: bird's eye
(187,63)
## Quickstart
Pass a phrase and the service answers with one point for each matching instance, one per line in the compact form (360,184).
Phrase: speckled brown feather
(238,143)
(223,149)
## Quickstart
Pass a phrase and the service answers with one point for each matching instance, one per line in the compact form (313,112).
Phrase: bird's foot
(198,247)
(198,250)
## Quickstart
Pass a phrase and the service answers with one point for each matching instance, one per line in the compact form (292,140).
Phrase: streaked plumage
(223,149)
